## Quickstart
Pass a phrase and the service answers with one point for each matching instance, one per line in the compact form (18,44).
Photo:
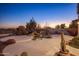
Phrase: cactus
(63,45)
(63,51)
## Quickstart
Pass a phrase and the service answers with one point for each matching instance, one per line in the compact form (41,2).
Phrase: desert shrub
(20,30)
(75,42)
(7,30)
(35,35)
(34,38)
(10,41)
(72,31)
(56,32)
(24,54)
(62,26)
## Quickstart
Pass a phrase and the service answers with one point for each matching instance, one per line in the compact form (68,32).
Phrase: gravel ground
(44,47)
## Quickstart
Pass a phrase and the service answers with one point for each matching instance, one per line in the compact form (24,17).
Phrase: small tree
(73,28)
(31,26)
(62,26)
(73,24)
(57,27)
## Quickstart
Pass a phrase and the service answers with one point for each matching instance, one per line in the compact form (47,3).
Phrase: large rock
(24,54)
(10,41)
(4,44)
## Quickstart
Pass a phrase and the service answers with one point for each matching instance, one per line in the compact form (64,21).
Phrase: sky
(16,14)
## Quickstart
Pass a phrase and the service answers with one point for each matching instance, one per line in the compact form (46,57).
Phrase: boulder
(10,41)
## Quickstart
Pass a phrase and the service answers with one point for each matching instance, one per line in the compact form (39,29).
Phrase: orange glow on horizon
(52,25)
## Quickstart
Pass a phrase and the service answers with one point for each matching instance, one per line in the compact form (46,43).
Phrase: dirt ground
(44,47)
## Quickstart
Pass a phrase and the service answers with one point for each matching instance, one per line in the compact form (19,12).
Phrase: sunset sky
(13,15)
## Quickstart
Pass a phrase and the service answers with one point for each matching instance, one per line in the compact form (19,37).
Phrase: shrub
(72,31)
(24,54)
(20,30)
(75,42)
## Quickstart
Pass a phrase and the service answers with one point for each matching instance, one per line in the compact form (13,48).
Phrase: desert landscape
(46,36)
(39,47)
